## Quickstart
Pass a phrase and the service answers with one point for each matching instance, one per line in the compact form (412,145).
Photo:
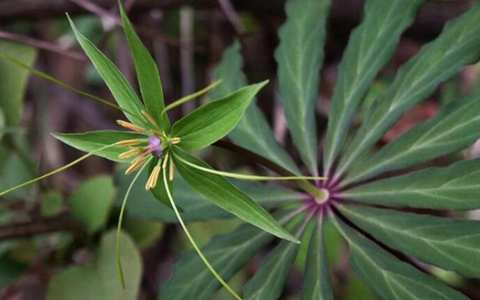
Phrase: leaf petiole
(56,171)
(245,176)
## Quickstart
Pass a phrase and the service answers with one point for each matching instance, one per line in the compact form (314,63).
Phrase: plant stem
(192,241)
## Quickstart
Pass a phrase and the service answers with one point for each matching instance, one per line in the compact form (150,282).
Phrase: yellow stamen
(171,172)
(130,126)
(130,153)
(175,140)
(131,142)
(165,161)
(153,179)
(149,118)
(136,164)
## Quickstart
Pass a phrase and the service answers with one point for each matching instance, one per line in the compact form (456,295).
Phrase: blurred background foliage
(55,237)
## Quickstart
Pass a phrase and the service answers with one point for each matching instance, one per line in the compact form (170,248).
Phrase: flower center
(155,145)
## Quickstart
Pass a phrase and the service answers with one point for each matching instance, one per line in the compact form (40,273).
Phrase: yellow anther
(131,142)
(175,140)
(165,161)
(136,164)
(171,172)
(130,126)
(153,179)
(149,118)
(130,153)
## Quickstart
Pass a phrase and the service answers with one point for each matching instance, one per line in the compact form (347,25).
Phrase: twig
(62,222)
(232,16)
(14,37)
(186,54)
(109,20)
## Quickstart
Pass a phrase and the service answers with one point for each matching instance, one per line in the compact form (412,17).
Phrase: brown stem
(14,37)
(62,222)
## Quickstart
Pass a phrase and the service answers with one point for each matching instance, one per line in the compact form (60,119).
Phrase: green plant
(365,206)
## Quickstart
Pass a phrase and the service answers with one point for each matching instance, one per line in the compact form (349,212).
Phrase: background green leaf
(369,48)
(457,46)
(455,128)
(92,202)
(99,280)
(227,253)
(454,187)
(447,243)
(270,278)
(13,80)
(253,131)
(300,57)
(317,283)
(388,276)
(213,121)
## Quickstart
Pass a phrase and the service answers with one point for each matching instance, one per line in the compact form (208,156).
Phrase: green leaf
(121,90)
(454,187)
(195,206)
(222,193)
(455,128)
(370,47)
(391,278)
(15,167)
(317,283)
(13,80)
(447,243)
(94,140)
(147,73)
(253,131)
(457,46)
(300,57)
(269,280)
(214,120)
(99,280)
(92,201)
(227,253)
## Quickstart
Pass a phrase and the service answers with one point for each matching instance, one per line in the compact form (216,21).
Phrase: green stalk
(192,241)
(190,97)
(245,176)
(120,221)
(55,171)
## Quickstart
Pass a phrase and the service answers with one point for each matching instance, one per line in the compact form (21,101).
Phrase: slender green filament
(192,241)
(120,221)
(56,171)
(190,97)
(245,176)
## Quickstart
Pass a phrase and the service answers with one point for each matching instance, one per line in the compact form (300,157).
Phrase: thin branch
(62,222)
(232,16)
(39,44)
(109,20)
(187,64)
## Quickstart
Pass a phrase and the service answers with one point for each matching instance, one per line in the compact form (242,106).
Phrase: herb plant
(391,215)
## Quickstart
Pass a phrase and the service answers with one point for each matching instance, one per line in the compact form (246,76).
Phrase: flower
(142,150)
